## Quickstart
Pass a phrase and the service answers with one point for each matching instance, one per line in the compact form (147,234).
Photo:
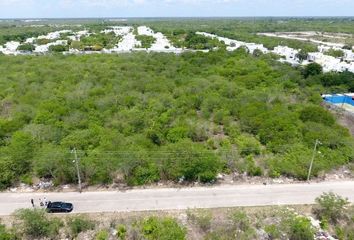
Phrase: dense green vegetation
(146,41)
(335,53)
(26,47)
(20,33)
(141,118)
(246,29)
(148,117)
(191,40)
(98,41)
(177,30)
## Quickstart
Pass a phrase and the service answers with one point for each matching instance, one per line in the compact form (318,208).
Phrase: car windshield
(55,204)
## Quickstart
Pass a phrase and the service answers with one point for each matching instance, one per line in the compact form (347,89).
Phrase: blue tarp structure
(340,98)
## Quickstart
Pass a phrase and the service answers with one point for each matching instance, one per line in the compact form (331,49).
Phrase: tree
(190,162)
(26,47)
(20,151)
(302,55)
(7,175)
(257,53)
(146,41)
(312,69)
(330,207)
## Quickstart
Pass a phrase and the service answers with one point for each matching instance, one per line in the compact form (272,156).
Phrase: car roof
(54,204)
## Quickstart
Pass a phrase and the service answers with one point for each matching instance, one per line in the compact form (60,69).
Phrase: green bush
(294,163)
(26,47)
(273,231)
(317,114)
(331,207)
(102,235)
(248,145)
(146,41)
(301,229)
(335,53)
(191,162)
(7,175)
(312,69)
(177,133)
(121,232)
(36,224)
(144,173)
(77,45)
(58,48)
(154,228)
(251,168)
(80,224)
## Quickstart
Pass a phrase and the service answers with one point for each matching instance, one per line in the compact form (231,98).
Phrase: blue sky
(172,8)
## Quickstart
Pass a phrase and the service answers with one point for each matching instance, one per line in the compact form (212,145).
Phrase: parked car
(57,207)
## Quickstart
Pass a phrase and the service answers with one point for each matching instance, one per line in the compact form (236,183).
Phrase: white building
(351,67)
(128,43)
(54,35)
(254,46)
(10,48)
(348,55)
(30,40)
(118,30)
(323,48)
(288,53)
(328,63)
(144,30)
(232,44)
(161,44)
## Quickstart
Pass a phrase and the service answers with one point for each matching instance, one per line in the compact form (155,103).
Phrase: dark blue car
(59,207)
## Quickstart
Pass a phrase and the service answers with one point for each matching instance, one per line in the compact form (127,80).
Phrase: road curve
(183,198)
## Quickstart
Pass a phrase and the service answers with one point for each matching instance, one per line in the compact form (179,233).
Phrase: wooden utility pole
(76,161)
(312,159)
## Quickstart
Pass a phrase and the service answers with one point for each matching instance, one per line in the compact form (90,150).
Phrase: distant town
(342,59)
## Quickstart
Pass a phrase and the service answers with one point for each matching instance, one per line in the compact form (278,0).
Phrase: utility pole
(312,159)
(76,161)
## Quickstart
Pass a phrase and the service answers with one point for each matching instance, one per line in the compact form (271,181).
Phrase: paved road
(168,199)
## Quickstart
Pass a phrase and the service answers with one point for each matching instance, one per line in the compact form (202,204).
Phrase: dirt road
(168,199)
